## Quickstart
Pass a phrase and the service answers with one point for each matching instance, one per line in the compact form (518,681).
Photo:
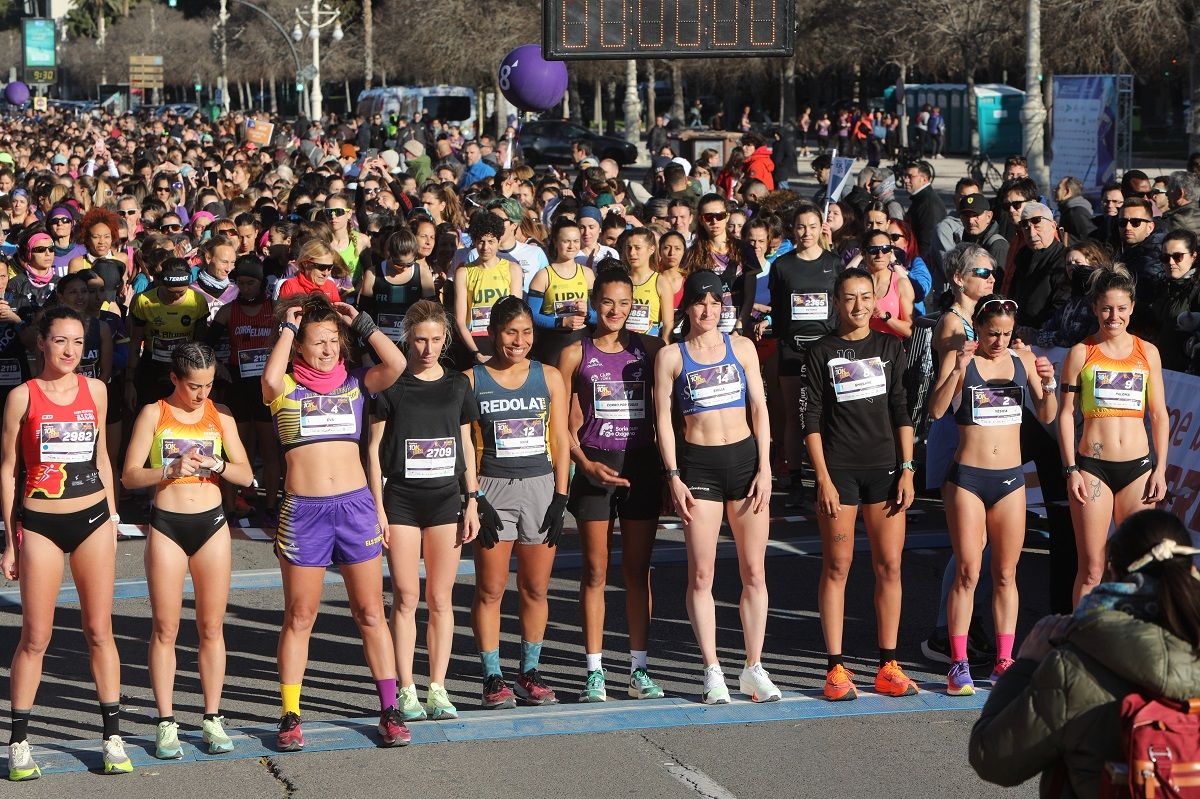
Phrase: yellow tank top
(646,312)
(486,285)
(565,296)
(172,438)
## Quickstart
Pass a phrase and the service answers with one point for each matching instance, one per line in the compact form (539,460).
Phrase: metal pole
(315,35)
(1033,112)
(223,20)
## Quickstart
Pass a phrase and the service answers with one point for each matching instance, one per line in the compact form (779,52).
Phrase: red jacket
(759,166)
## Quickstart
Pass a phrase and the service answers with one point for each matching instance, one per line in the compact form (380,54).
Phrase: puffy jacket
(761,166)
(1185,217)
(1061,717)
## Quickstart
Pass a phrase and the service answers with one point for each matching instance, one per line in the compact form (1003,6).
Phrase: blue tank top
(512,435)
(302,416)
(991,404)
(704,387)
(614,396)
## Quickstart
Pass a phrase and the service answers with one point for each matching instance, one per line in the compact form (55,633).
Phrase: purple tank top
(614,395)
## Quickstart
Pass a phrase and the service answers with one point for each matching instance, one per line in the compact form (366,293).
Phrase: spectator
(1038,279)
(1074,211)
(1141,253)
(937,131)
(759,164)
(656,137)
(1158,195)
(1013,194)
(1056,711)
(1178,294)
(1183,189)
(1107,230)
(926,208)
(1075,320)
(979,226)
(821,165)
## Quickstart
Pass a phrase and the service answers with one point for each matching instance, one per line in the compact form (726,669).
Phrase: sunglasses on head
(1135,223)
(983,272)
(879,249)
(715,217)
(335,211)
(1032,221)
(1008,307)
(1177,257)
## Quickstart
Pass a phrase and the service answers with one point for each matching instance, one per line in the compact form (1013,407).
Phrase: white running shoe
(20,762)
(115,759)
(715,690)
(756,684)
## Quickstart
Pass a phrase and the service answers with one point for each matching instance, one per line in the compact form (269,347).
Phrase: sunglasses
(879,249)
(1177,257)
(172,228)
(1158,191)
(162,188)
(1008,307)
(984,273)
(1136,223)
(41,249)
(1014,205)
(370,190)
(128,212)
(1145,195)
(719,216)
(322,266)
(60,220)
(335,212)
(1032,221)
(896,236)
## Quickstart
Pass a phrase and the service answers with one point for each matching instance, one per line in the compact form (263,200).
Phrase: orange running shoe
(838,687)
(890,680)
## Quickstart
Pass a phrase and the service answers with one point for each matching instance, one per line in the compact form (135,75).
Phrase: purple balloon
(529,81)
(16,93)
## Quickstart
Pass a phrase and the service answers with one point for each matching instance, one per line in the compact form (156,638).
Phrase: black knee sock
(20,726)
(208,716)
(885,655)
(833,660)
(110,714)
(161,719)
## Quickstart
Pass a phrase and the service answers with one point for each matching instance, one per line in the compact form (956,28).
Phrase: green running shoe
(115,759)
(168,747)
(642,687)
(20,763)
(437,704)
(409,706)
(213,731)
(593,689)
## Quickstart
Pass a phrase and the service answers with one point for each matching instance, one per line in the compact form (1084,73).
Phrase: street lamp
(320,15)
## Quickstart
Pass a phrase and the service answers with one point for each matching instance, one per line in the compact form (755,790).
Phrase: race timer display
(667,28)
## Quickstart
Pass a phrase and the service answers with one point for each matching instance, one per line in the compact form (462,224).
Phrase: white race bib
(728,319)
(172,449)
(327,416)
(67,442)
(519,438)
(10,372)
(810,307)
(993,407)
(390,324)
(251,363)
(711,386)
(854,380)
(480,316)
(1120,390)
(639,318)
(619,399)
(429,457)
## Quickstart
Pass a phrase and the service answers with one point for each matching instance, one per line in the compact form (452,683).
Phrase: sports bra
(646,312)
(701,387)
(1113,387)
(992,403)
(173,438)
(58,445)
(302,416)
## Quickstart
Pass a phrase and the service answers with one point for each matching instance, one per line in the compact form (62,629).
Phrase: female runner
(422,461)
(653,311)
(984,387)
(54,432)
(479,285)
(616,474)
(862,456)
(722,467)
(523,474)
(328,514)
(354,247)
(191,445)
(390,288)
(560,301)
(1118,378)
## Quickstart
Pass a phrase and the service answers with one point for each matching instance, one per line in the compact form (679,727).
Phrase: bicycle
(984,172)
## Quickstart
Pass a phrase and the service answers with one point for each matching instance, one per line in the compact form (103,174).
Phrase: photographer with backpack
(1074,704)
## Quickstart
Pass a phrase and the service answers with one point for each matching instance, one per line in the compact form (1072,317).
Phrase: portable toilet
(999,108)
(999,119)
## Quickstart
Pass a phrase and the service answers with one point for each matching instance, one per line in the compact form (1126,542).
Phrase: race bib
(391,325)
(992,407)
(251,363)
(163,346)
(10,372)
(327,416)
(714,385)
(639,318)
(89,369)
(519,438)
(1120,390)
(568,308)
(810,307)
(175,448)
(728,319)
(67,442)
(855,380)
(480,316)
(429,457)
(619,399)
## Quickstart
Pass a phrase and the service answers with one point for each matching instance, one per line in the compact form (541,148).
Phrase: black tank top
(392,300)
(991,403)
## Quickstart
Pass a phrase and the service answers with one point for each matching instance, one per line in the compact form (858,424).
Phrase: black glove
(552,524)
(363,325)
(490,524)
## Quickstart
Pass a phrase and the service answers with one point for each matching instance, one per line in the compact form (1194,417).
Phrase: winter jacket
(1075,217)
(924,213)
(1061,717)
(1185,217)
(420,167)
(1039,283)
(1175,296)
(760,166)
(1143,263)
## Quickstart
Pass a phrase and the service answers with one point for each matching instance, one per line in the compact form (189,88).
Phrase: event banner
(1084,129)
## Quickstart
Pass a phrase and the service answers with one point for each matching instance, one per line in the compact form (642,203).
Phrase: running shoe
(167,746)
(593,689)
(716,692)
(291,737)
(937,648)
(115,759)
(839,686)
(891,680)
(755,683)
(958,681)
(532,689)
(410,705)
(392,729)
(1001,666)
(981,647)
(213,732)
(437,704)
(497,694)
(641,686)
(20,763)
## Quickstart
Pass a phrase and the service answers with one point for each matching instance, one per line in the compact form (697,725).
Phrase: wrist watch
(289,326)
(887,316)
(908,465)
(669,473)
(1070,470)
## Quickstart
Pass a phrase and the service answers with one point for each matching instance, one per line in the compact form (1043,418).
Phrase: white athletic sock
(637,660)
(594,661)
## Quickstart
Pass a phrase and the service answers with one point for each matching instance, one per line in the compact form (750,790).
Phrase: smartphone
(372,153)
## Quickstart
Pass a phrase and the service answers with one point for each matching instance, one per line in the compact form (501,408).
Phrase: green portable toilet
(999,119)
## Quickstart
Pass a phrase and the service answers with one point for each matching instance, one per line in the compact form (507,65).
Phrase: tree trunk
(610,107)
(972,102)
(576,114)
(677,110)
(349,105)
(274,103)
(856,85)
(651,93)
(1193,34)
(369,44)
(787,121)
(633,106)
(241,87)
(902,105)
(383,77)
(598,106)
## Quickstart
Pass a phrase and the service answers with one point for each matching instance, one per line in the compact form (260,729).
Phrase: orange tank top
(1114,387)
